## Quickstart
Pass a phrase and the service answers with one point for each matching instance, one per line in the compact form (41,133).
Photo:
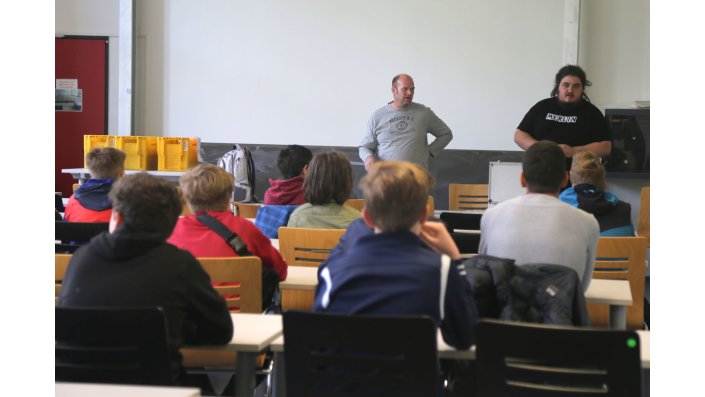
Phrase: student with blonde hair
(90,202)
(588,193)
(407,266)
(207,190)
(327,185)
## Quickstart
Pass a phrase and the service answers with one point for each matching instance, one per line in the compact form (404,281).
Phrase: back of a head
(396,193)
(329,179)
(587,168)
(544,167)
(105,162)
(292,159)
(147,204)
(207,187)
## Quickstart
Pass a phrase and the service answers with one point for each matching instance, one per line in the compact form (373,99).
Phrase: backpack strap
(228,235)
(445,269)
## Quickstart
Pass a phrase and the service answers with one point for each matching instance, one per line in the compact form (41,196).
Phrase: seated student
(327,185)
(398,269)
(90,202)
(207,190)
(293,165)
(537,227)
(132,265)
(588,193)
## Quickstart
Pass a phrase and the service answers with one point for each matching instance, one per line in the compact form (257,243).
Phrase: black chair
(468,243)
(77,232)
(339,355)
(521,359)
(112,345)
(457,220)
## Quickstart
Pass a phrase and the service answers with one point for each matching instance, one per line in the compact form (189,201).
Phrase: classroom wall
(94,18)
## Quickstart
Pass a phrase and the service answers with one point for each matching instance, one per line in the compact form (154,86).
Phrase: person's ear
(116,220)
(367,218)
(424,215)
(304,171)
(522,180)
(566,179)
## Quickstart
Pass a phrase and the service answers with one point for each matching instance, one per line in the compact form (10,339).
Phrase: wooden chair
(358,204)
(246,210)
(355,203)
(521,359)
(245,272)
(111,345)
(462,196)
(75,187)
(356,356)
(245,297)
(621,258)
(642,228)
(61,263)
(307,247)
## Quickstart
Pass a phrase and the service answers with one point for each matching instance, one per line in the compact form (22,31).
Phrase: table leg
(245,374)
(278,376)
(618,317)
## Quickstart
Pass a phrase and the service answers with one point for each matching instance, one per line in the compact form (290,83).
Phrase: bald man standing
(397,131)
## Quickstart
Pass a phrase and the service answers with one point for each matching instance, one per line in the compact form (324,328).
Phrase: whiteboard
(504,182)
(312,72)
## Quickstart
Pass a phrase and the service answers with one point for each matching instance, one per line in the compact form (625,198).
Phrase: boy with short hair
(132,265)
(403,267)
(293,165)
(90,202)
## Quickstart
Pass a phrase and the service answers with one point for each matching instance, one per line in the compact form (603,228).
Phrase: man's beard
(570,105)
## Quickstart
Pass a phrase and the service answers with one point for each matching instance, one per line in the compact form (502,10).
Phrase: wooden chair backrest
(61,263)
(246,210)
(307,247)
(359,203)
(621,258)
(642,228)
(464,196)
(75,187)
(243,278)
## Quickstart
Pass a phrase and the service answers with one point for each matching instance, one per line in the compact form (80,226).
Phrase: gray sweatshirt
(400,134)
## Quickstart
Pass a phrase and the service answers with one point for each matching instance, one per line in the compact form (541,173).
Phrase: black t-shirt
(574,126)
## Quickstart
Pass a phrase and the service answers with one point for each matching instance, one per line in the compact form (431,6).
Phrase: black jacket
(537,293)
(125,269)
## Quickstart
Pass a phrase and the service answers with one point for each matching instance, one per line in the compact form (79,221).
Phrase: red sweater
(193,236)
(75,212)
(285,191)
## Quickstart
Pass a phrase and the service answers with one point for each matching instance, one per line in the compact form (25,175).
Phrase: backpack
(239,163)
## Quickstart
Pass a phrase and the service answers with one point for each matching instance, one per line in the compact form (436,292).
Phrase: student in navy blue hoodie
(400,269)
(588,193)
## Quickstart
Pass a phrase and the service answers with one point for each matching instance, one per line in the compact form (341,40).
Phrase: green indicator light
(631,342)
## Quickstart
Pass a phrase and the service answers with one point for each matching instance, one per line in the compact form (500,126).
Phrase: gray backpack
(238,162)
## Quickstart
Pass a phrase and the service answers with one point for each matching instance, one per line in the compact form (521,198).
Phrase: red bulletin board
(84,59)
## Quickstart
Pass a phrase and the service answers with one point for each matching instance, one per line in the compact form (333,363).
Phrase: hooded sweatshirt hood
(93,194)
(285,191)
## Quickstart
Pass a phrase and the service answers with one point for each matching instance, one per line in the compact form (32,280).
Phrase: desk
(82,174)
(253,334)
(110,390)
(300,285)
(615,293)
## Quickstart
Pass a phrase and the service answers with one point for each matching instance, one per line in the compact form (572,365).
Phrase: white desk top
(300,277)
(254,332)
(84,171)
(468,211)
(109,390)
(610,292)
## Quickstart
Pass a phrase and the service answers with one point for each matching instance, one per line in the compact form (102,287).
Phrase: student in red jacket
(90,202)
(207,190)
(293,165)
